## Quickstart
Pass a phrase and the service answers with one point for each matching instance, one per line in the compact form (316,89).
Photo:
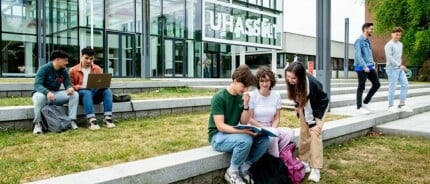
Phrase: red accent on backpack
(296,170)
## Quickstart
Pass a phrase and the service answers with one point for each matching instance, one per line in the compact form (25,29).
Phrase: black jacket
(317,96)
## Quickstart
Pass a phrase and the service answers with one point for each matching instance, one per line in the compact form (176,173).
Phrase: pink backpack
(296,170)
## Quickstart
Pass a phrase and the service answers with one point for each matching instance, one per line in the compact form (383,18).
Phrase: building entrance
(174,58)
(121,53)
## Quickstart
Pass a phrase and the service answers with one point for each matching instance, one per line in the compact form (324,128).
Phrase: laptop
(99,80)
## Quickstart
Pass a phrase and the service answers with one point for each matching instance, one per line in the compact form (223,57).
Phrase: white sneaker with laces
(307,168)
(37,128)
(392,109)
(93,125)
(363,111)
(233,178)
(108,122)
(315,175)
(74,125)
(405,108)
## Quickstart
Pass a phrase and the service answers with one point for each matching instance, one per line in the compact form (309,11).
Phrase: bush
(424,74)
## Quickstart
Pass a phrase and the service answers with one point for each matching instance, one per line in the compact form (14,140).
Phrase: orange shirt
(77,76)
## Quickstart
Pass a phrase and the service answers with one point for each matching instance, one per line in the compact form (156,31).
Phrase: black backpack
(54,119)
(270,170)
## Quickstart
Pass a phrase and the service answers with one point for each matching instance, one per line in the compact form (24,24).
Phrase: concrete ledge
(158,170)
(196,165)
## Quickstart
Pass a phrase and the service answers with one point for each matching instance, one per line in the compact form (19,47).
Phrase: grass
(377,159)
(31,80)
(35,157)
(371,159)
(161,93)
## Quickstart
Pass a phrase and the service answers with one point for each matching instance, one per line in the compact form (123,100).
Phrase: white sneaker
(108,122)
(315,175)
(307,168)
(363,111)
(93,125)
(37,128)
(233,178)
(74,125)
(366,106)
(405,108)
(392,109)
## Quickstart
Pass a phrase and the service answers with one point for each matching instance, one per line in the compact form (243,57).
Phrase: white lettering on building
(252,27)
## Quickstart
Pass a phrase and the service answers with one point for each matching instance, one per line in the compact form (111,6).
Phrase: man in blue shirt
(365,68)
(47,83)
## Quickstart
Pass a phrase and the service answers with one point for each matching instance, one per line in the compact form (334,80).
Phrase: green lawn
(35,157)
(160,93)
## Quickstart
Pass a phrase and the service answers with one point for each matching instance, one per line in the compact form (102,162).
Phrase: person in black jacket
(311,104)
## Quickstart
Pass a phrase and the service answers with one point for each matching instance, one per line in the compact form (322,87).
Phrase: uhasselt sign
(252,27)
(223,26)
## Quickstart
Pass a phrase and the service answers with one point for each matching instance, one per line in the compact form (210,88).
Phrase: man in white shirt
(396,71)
(87,97)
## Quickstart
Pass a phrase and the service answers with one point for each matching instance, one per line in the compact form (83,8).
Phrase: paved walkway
(415,125)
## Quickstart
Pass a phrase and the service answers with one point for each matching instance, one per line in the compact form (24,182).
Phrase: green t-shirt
(223,103)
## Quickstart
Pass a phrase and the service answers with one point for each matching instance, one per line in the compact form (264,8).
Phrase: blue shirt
(363,54)
(48,79)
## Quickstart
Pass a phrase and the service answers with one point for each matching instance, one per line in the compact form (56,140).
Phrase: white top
(86,71)
(264,107)
(393,52)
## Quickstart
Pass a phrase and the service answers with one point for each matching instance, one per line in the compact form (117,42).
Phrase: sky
(300,16)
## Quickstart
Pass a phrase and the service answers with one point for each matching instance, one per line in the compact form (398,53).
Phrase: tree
(413,16)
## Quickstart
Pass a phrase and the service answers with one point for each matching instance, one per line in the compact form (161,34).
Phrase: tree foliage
(413,16)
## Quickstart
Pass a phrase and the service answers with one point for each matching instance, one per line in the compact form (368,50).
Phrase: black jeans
(362,76)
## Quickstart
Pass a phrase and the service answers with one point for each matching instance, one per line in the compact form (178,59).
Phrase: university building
(143,38)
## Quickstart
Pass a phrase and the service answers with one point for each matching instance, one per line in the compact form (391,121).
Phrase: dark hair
(264,72)
(397,30)
(244,75)
(366,25)
(297,92)
(59,54)
(87,51)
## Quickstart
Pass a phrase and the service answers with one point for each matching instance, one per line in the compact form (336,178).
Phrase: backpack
(269,170)
(296,169)
(54,119)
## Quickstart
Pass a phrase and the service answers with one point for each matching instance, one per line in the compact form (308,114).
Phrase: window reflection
(85,13)
(18,55)
(18,16)
(174,18)
(120,15)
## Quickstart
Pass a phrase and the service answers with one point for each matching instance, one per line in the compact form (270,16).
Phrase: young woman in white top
(265,110)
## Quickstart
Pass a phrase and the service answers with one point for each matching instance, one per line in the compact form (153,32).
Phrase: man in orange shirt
(88,97)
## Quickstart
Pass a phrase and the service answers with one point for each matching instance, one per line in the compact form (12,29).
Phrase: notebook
(99,80)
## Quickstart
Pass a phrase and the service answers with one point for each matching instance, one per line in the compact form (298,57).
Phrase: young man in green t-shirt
(229,107)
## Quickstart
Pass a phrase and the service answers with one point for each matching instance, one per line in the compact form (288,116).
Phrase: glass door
(174,58)
(121,55)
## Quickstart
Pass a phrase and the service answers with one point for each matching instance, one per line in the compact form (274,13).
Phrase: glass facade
(139,38)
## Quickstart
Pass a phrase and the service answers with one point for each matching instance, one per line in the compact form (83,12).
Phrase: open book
(260,130)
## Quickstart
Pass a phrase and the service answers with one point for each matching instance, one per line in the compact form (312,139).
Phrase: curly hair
(244,75)
(264,72)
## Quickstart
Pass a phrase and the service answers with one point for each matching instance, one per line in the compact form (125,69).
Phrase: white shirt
(86,71)
(264,107)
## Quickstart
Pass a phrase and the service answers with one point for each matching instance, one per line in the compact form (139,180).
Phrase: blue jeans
(394,76)
(89,97)
(40,100)
(242,146)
